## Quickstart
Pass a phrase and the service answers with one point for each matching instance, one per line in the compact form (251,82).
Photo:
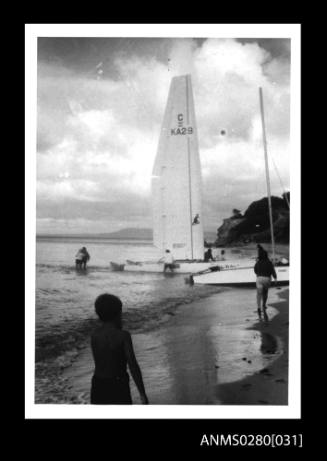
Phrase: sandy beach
(186,361)
(269,386)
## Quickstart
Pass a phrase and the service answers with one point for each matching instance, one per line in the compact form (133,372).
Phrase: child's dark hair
(108,307)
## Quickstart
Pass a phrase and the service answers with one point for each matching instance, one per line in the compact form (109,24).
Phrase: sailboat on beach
(245,275)
(177,189)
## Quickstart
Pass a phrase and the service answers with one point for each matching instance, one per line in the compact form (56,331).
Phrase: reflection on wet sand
(269,385)
(265,315)
(179,368)
(269,344)
(205,346)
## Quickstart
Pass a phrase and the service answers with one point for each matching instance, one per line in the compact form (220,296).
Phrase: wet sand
(213,351)
(269,386)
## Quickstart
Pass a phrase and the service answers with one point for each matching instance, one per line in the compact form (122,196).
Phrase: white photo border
(55,411)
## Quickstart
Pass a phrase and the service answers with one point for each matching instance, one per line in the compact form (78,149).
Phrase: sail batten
(176,181)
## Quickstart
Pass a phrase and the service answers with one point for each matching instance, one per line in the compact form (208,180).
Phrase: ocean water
(65,297)
(65,318)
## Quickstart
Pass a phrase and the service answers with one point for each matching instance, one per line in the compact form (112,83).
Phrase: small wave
(62,337)
(69,269)
(54,339)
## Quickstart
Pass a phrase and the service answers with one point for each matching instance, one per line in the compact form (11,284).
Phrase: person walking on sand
(112,350)
(264,270)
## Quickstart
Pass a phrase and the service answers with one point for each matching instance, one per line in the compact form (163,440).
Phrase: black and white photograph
(163,223)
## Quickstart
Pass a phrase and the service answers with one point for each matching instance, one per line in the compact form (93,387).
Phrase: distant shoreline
(128,234)
(148,239)
(90,237)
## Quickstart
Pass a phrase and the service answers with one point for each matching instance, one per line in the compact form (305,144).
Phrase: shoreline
(183,361)
(269,386)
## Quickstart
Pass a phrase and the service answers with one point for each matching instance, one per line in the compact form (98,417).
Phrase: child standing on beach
(112,350)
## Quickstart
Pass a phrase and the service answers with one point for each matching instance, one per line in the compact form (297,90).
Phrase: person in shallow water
(264,270)
(112,350)
(168,260)
(81,258)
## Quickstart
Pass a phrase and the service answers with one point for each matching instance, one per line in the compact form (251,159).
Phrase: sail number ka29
(181,129)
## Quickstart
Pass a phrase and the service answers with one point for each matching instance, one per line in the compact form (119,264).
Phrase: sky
(100,104)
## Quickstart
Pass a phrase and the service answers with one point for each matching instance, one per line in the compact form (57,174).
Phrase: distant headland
(239,229)
(254,226)
(130,233)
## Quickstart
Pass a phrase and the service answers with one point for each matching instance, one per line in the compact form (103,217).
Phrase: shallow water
(65,319)
(65,297)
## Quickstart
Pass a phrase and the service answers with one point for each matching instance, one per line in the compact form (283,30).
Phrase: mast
(190,194)
(189,164)
(267,174)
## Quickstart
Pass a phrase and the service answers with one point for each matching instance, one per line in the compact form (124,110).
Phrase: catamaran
(177,190)
(245,275)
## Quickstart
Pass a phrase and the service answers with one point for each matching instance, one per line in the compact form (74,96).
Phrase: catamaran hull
(242,276)
(184,267)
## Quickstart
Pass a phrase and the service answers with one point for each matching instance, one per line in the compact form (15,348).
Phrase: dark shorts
(169,266)
(111,391)
(80,262)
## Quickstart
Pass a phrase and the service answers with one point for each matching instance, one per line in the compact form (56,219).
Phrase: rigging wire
(281,182)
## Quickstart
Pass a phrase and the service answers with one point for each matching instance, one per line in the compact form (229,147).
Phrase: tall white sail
(176,182)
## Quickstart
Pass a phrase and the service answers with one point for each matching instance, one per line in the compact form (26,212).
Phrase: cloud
(97,138)
(78,215)
(228,75)
(233,176)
